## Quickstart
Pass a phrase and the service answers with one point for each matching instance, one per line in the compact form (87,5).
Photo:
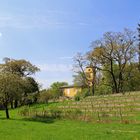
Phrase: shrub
(28,101)
(77,97)
(103,90)
(82,94)
(24,111)
(45,96)
(85,92)
(56,113)
(73,114)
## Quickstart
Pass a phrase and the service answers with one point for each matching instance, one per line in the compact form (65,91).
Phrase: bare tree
(81,62)
(115,48)
(139,44)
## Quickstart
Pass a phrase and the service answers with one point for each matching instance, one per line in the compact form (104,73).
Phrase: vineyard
(109,108)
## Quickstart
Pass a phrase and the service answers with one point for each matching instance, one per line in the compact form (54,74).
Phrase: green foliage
(35,97)
(82,94)
(112,54)
(132,77)
(45,96)
(85,92)
(54,92)
(55,89)
(31,85)
(11,87)
(103,90)
(20,67)
(77,97)
(55,113)
(24,111)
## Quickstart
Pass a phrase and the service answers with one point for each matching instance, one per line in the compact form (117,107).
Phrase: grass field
(25,128)
(20,129)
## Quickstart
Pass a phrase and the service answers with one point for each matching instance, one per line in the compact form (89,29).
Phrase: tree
(139,44)
(56,90)
(21,68)
(81,62)
(132,77)
(45,96)
(30,87)
(78,79)
(11,86)
(115,48)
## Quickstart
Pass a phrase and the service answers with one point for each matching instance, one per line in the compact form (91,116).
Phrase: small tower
(89,71)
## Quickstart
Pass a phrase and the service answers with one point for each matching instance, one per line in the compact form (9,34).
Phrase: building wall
(72,91)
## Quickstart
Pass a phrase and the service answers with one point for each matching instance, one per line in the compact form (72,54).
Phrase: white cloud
(29,21)
(55,67)
(49,20)
(66,57)
(0,34)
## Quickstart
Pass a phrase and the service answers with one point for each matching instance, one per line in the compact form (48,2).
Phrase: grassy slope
(18,128)
(66,130)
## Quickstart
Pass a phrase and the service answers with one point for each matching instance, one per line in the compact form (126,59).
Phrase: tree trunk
(6,111)
(115,84)
(12,105)
(93,90)
(113,77)
(120,85)
(16,104)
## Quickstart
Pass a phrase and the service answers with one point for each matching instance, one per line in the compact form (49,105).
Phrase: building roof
(71,86)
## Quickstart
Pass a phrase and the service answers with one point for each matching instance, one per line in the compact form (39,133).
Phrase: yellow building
(71,91)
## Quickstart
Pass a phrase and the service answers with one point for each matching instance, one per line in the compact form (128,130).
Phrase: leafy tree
(45,96)
(11,86)
(30,87)
(23,69)
(20,67)
(132,77)
(55,89)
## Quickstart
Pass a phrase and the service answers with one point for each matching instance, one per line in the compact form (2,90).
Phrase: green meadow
(20,127)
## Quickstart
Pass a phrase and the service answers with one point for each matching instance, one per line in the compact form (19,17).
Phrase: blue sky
(49,33)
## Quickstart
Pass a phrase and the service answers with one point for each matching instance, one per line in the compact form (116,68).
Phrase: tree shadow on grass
(32,119)
(4,118)
(40,119)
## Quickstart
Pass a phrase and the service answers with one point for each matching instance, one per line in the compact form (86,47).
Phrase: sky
(49,33)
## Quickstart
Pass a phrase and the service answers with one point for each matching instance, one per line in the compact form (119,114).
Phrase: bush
(82,94)
(73,114)
(28,101)
(24,111)
(85,92)
(55,113)
(77,97)
(103,90)
(35,97)
(45,96)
